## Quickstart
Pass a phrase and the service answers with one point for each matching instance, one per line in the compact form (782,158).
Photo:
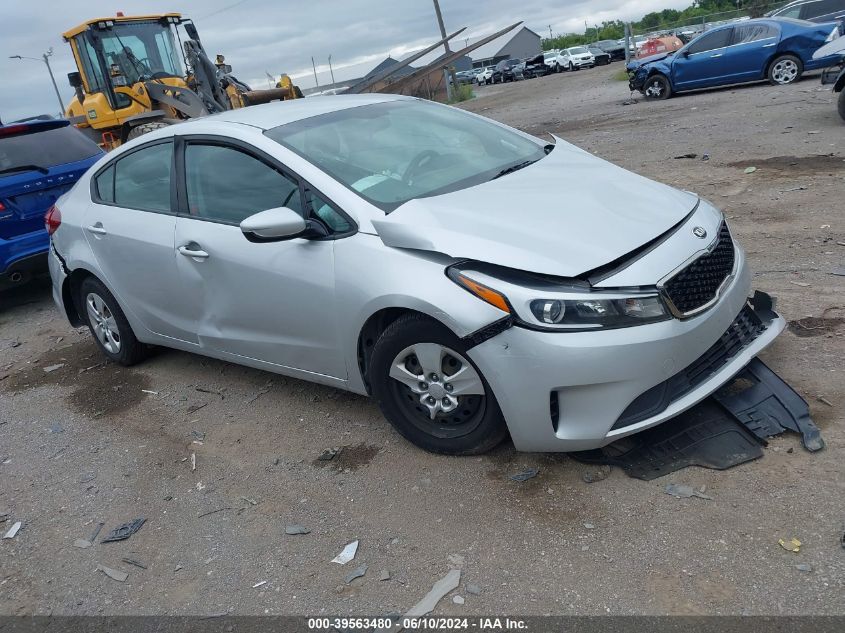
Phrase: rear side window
(752,33)
(822,7)
(142,179)
(42,150)
(228,185)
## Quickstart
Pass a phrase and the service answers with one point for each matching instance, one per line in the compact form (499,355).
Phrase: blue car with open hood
(777,49)
(40,159)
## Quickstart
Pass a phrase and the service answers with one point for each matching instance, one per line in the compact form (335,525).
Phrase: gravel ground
(89,442)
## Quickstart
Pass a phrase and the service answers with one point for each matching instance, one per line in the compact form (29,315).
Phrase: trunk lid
(569,213)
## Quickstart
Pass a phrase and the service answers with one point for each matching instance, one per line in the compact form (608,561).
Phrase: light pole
(445,46)
(314,66)
(330,69)
(46,59)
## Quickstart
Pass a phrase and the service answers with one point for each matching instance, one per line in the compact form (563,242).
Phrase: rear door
(750,49)
(39,161)
(130,228)
(701,64)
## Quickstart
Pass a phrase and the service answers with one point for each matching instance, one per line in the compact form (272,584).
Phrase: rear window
(45,149)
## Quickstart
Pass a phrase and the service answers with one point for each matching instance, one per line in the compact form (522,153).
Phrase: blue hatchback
(39,161)
(777,49)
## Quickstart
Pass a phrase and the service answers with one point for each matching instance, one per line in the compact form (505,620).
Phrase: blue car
(39,161)
(777,49)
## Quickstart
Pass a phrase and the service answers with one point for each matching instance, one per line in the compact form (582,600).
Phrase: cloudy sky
(259,36)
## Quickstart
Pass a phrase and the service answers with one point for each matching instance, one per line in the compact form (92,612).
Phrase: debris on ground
(81,543)
(706,157)
(329,454)
(448,583)
(259,393)
(750,170)
(347,554)
(198,435)
(804,567)
(839,271)
(210,512)
(474,590)
(114,574)
(682,491)
(123,532)
(689,156)
(383,575)
(791,189)
(358,572)
(792,545)
(193,462)
(824,400)
(132,561)
(593,475)
(458,599)
(149,391)
(250,501)
(51,368)
(13,530)
(57,428)
(196,407)
(525,475)
(259,584)
(589,526)
(292,530)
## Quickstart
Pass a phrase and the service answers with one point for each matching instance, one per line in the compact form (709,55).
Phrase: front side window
(142,179)
(392,152)
(227,185)
(711,41)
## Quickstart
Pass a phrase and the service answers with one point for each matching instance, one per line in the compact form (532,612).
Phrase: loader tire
(842,104)
(144,128)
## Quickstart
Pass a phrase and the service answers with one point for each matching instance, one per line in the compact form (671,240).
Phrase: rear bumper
(567,392)
(23,256)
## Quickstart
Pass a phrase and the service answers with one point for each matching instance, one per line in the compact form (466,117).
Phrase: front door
(130,227)
(274,301)
(701,64)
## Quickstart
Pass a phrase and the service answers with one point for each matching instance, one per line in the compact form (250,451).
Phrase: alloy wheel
(785,71)
(103,322)
(654,89)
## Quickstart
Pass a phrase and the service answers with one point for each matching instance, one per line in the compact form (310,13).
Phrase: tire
(556,68)
(145,128)
(572,67)
(785,70)
(108,324)
(657,88)
(472,424)
(841,104)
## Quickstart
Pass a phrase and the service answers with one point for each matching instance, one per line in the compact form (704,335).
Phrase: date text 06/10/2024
(418,624)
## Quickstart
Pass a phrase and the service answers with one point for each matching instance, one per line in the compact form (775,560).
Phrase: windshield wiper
(513,168)
(43,170)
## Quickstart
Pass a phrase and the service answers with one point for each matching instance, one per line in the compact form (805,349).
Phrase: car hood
(639,63)
(565,215)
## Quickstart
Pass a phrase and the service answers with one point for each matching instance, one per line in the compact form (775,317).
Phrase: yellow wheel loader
(139,73)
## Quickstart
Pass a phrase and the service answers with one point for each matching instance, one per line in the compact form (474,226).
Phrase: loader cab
(114,57)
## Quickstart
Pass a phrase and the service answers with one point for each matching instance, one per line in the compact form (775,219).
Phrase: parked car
(601,58)
(506,70)
(485,76)
(812,10)
(475,280)
(535,67)
(614,48)
(464,77)
(574,58)
(549,58)
(777,49)
(835,75)
(659,45)
(40,159)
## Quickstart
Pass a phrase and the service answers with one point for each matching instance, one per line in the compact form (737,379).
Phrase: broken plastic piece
(448,583)
(296,529)
(13,530)
(347,554)
(114,574)
(356,573)
(792,545)
(682,491)
(123,532)
(525,475)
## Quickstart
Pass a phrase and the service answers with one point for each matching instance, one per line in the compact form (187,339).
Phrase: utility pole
(446,74)
(314,66)
(46,59)
(330,69)
(550,32)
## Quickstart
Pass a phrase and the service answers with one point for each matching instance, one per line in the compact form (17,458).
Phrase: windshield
(42,150)
(140,50)
(390,153)
(577,51)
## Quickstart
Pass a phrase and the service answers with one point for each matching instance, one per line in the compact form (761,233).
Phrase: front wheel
(785,70)
(657,88)
(108,324)
(431,392)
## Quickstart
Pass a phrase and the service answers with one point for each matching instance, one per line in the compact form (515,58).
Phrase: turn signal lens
(495,299)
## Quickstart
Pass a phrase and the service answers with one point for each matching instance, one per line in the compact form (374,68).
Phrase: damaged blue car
(777,49)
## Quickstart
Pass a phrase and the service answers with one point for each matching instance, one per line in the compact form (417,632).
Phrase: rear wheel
(785,70)
(108,324)
(431,392)
(657,88)
(145,128)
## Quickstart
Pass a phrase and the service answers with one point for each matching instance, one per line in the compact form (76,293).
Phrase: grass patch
(621,75)
(463,92)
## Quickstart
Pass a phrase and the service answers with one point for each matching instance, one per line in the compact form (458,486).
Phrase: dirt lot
(89,442)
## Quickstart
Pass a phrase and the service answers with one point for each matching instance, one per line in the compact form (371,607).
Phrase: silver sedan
(475,280)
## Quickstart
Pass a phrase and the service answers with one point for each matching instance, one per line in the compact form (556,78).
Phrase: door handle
(769,45)
(192,252)
(716,55)
(97,229)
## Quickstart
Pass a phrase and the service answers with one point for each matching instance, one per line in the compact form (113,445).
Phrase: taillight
(2,206)
(53,219)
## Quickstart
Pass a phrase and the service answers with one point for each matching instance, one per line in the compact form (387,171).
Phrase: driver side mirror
(74,79)
(274,225)
(685,53)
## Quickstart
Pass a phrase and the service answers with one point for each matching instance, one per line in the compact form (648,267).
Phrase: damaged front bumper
(579,391)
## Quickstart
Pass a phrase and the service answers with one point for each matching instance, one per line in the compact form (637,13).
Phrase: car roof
(276,113)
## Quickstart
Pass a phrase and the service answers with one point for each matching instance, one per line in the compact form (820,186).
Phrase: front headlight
(539,303)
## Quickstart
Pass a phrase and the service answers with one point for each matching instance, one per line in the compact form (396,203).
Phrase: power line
(221,10)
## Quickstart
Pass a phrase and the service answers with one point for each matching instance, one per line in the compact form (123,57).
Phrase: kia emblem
(700,232)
